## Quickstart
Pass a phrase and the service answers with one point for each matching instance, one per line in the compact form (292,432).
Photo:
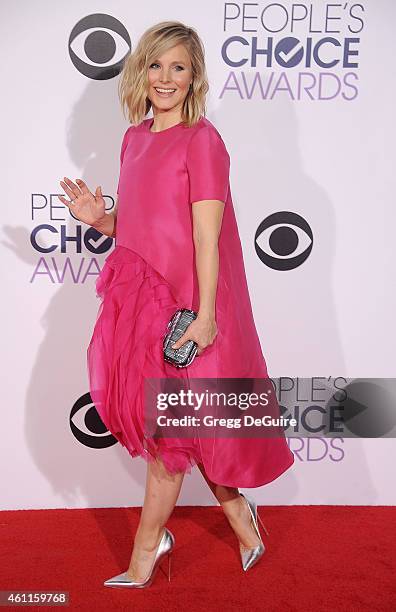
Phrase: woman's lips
(163,94)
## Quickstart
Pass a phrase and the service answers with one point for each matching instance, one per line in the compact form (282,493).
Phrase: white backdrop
(325,154)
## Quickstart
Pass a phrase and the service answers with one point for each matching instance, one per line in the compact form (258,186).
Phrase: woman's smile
(164,92)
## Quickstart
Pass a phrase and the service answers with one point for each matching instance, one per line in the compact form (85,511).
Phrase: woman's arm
(107,225)
(208,165)
(207,218)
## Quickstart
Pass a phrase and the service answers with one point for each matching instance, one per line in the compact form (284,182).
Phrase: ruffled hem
(125,348)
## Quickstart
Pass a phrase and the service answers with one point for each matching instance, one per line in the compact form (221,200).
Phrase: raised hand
(86,206)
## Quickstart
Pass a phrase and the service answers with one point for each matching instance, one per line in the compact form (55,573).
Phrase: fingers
(82,186)
(182,340)
(71,188)
(66,202)
(185,338)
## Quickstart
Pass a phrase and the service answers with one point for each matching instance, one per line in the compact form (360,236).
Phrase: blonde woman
(176,245)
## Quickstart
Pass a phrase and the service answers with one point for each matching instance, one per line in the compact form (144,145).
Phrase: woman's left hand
(203,330)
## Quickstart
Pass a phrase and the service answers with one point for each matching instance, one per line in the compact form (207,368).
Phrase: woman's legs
(162,491)
(236,510)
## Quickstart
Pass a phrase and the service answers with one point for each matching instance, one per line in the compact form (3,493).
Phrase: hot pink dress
(150,273)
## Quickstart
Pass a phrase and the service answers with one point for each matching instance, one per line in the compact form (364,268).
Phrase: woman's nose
(164,76)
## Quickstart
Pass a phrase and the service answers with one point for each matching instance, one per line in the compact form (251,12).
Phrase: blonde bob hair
(133,83)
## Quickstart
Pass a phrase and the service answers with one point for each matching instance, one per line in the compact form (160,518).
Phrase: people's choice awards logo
(87,426)
(98,45)
(283,241)
(296,51)
(60,245)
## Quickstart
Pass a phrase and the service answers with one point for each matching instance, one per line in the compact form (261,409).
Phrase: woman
(177,245)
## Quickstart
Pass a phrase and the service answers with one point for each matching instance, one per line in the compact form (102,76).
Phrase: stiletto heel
(262,524)
(165,547)
(169,565)
(250,556)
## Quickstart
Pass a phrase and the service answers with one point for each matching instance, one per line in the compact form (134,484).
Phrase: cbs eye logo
(98,44)
(283,241)
(87,426)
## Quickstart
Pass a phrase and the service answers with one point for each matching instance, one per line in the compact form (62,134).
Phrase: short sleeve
(123,147)
(208,166)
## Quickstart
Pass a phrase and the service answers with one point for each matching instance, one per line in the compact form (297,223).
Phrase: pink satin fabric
(150,274)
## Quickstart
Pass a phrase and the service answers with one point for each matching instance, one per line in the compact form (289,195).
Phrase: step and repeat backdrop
(303,96)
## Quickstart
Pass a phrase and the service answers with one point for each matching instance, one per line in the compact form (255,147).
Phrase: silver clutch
(183,356)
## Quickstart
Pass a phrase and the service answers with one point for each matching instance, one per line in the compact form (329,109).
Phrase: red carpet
(318,558)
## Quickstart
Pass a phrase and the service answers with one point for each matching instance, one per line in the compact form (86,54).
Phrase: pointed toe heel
(165,548)
(250,556)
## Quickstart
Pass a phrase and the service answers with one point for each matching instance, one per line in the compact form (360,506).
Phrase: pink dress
(150,273)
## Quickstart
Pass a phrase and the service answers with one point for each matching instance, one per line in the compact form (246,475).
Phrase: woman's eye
(181,67)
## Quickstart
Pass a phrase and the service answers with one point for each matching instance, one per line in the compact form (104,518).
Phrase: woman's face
(171,71)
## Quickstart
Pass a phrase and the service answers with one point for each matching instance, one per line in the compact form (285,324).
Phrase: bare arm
(207,219)
(108,224)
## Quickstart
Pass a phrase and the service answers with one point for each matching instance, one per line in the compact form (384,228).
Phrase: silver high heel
(250,556)
(165,547)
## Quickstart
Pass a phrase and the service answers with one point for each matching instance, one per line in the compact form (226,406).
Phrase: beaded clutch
(183,356)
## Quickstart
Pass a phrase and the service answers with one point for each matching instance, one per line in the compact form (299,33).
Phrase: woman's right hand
(87,207)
